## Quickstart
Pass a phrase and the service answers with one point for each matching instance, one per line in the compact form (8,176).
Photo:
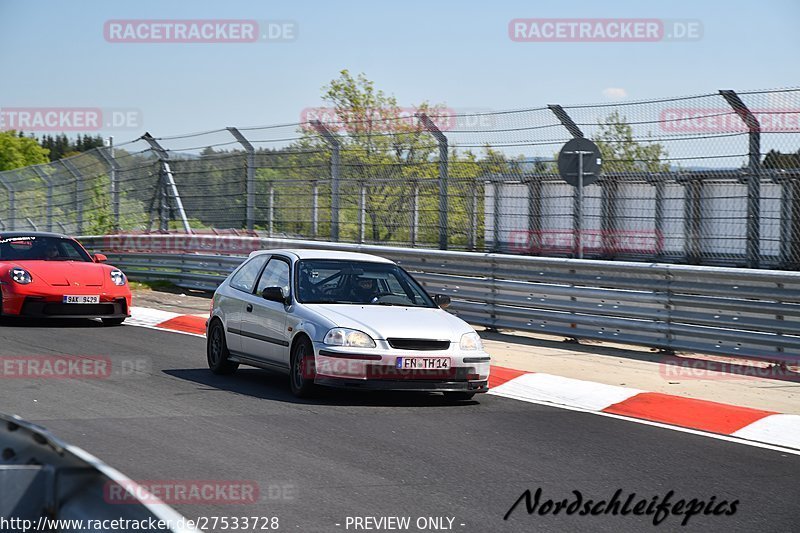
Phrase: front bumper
(404,385)
(44,309)
(378,369)
(24,302)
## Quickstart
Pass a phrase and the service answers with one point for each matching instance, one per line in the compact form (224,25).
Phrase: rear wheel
(459,396)
(113,321)
(303,369)
(217,351)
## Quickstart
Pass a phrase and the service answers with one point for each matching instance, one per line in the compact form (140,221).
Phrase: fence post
(657,181)
(443,171)
(753,178)
(167,185)
(609,189)
(534,205)
(113,167)
(251,177)
(79,193)
(335,145)
(49,182)
(12,208)
(362,210)
(497,189)
(314,209)
(473,230)
(692,203)
(271,209)
(566,120)
(414,212)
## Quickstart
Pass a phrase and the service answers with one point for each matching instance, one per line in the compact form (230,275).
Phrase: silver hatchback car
(345,320)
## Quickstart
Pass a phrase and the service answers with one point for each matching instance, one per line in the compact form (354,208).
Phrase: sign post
(579,164)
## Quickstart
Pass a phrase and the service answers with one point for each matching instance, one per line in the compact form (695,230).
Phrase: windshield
(358,282)
(38,248)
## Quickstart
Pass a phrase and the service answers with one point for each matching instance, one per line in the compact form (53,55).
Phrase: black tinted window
(38,248)
(358,282)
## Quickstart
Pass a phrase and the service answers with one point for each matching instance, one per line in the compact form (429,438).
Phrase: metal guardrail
(725,311)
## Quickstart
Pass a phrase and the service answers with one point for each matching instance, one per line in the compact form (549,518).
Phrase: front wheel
(303,369)
(217,351)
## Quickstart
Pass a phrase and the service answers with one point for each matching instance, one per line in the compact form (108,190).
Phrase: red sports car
(50,275)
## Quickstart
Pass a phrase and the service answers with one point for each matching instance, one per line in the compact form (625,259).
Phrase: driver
(365,289)
(51,252)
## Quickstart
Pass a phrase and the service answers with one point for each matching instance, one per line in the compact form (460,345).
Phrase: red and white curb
(741,424)
(158,319)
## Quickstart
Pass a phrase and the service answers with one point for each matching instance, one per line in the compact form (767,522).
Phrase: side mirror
(99,258)
(442,300)
(275,294)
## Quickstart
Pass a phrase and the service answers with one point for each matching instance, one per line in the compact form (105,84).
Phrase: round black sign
(568,162)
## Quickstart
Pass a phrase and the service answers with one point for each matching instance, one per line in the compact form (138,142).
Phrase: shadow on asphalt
(268,385)
(14,322)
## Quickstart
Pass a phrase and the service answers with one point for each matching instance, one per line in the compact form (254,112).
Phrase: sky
(55,54)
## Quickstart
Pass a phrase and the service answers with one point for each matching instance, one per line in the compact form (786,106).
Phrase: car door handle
(249,308)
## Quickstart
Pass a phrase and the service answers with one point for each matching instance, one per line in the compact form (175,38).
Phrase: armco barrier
(726,311)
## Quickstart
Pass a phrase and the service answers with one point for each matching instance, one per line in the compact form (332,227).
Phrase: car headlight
(117,277)
(471,341)
(21,276)
(349,337)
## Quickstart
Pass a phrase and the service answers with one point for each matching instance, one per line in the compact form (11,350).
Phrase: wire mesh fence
(707,179)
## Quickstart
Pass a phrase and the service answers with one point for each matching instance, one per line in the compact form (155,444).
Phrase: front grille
(36,307)
(78,309)
(418,344)
(392,373)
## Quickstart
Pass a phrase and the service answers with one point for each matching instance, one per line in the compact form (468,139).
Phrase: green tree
(18,152)
(386,151)
(621,153)
(776,159)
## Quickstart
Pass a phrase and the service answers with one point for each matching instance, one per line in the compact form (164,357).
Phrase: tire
(301,376)
(113,321)
(459,396)
(217,352)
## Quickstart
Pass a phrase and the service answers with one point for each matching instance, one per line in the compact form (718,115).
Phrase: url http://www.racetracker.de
(203,523)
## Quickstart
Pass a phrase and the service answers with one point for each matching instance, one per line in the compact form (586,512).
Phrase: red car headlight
(117,277)
(20,275)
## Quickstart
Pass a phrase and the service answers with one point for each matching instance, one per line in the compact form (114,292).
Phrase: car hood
(66,273)
(382,322)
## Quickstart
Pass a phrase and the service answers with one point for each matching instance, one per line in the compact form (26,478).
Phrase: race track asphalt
(357,454)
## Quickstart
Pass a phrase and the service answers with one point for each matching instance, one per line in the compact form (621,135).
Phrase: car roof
(12,234)
(304,253)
